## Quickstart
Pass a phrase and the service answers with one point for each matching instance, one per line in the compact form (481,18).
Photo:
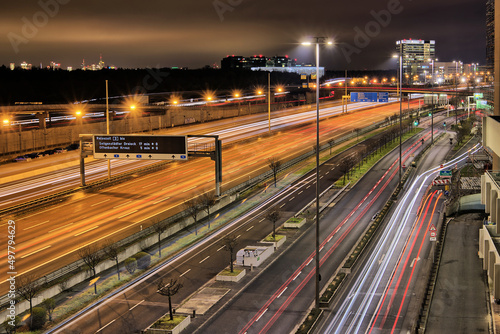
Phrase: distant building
(26,66)
(69,68)
(490,33)
(232,62)
(301,70)
(416,54)
(54,66)
(12,66)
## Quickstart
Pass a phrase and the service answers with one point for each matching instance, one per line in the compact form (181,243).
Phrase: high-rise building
(12,66)
(416,55)
(490,33)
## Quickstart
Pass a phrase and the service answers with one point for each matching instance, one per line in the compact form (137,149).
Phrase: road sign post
(140,147)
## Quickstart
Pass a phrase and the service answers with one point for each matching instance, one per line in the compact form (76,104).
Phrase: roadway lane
(278,298)
(360,300)
(48,240)
(32,187)
(134,309)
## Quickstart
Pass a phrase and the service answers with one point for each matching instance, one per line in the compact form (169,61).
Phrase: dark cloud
(199,32)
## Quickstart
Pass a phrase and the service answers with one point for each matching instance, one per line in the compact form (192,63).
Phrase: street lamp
(318,41)
(400,108)
(432,104)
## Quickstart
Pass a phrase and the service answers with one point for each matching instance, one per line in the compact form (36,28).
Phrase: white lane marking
(109,323)
(414,261)
(260,316)
(133,307)
(204,259)
(291,199)
(161,200)
(381,259)
(309,262)
(221,248)
(300,192)
(282,205)
(239,235)
(251,227)
(260,221)
(90,229)
(188,189)
(149,185)
(297,276)
(27,228)
(100,202)
(184,273)
(282,292)
(128,214)
(122,204)
(38,250)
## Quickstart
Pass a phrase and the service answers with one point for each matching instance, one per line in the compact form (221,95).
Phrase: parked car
(59,150)
(48,152)
(72,147)
(34,155)
(22,158)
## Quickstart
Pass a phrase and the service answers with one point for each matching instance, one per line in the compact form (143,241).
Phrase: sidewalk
(461,296)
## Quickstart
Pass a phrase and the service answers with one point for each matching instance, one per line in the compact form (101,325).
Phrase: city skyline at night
(199,33)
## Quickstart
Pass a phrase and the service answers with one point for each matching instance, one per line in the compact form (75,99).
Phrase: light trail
(352,313)
(407,153)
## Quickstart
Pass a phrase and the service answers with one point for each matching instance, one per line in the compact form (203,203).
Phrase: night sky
(194,33)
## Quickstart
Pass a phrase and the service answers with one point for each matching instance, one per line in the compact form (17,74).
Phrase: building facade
(490,34)
(416,55)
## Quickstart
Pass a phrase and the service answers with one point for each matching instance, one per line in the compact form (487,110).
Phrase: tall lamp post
(400,107)
(318,41)
(432,104)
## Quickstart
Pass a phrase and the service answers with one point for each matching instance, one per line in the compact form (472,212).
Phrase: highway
(379,292)
(230,131)
(47,240)
(137,307)
(279,298)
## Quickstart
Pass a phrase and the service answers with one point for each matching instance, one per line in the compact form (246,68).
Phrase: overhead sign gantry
(140,147)
(149,147)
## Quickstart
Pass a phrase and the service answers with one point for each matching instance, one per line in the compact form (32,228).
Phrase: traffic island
(310,322)
(227,276)
(277,241)
(167,326)
(202,301)
(295,222)
(327,296)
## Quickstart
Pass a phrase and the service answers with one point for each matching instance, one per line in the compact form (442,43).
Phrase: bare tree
(131,265)
(111,251)
(273,215)
(160,227)
(229,242)
(193,208)
(207,201)
(169,289)
(91,256)
(28,287)
(345,166)
(357,130)
(275,164)
(49,304)
(331,142)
